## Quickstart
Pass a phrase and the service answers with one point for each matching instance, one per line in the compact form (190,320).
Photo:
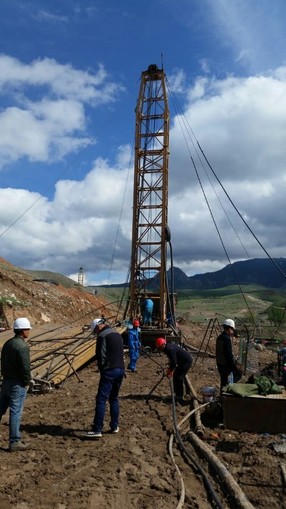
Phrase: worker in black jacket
(180,362)
(110,361)
(16,372)
(226,363)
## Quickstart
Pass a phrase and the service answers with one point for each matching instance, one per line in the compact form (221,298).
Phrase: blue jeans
(13,395)
(108,389)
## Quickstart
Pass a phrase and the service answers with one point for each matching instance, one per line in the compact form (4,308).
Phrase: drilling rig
(150,232)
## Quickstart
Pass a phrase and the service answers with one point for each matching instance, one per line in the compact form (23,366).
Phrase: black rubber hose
(207,482)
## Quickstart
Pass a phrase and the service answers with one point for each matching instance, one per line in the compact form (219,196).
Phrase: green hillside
(52,277)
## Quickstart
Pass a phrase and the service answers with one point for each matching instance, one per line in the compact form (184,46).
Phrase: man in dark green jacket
(16,373)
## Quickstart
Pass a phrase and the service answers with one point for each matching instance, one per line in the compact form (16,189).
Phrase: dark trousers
(179,379)
(108,389)
(224,372)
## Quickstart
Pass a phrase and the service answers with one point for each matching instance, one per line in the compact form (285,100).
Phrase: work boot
(182,402)
(18,446)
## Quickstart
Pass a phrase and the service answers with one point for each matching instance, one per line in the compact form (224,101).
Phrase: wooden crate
(261,414)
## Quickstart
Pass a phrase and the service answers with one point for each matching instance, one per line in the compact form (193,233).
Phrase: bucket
(208,394)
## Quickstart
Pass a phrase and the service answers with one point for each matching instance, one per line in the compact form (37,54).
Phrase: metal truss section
(150,200)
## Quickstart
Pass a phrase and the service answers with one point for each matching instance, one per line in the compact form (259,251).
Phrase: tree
(276,316)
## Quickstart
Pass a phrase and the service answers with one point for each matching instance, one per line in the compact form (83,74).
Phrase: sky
(69,81)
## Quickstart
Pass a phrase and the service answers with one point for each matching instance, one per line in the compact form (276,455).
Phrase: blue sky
(69,81)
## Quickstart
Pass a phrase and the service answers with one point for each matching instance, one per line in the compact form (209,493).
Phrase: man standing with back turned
(16,372)
(148,305)
(109,355)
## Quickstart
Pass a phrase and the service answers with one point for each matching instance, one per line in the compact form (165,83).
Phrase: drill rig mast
(150,232)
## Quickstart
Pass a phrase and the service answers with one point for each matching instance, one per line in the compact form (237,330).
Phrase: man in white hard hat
(16,372)
(225,360)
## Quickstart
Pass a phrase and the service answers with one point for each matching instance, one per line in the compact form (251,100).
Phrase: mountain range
(270,273)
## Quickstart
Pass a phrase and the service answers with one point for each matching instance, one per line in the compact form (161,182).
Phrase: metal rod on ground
(71,366)
(57,361)
(56,371)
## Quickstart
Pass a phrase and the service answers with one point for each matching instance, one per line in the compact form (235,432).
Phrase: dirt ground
(60,470)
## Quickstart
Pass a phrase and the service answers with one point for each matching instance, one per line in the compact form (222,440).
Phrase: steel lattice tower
(150,199)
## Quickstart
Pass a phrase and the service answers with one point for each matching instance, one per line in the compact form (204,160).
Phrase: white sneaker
(93,434)
(116,430)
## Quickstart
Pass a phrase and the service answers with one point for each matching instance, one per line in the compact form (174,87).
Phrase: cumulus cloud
(45,115)
(240,123)
(78,227)
(254,31)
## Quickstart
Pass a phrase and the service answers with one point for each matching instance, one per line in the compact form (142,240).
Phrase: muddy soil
(133,468)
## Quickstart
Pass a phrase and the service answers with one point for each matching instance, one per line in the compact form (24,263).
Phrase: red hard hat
(136,322)
(160,343)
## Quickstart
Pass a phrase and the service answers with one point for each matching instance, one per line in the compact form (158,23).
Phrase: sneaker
(115,430)
(93,434)
(18,446)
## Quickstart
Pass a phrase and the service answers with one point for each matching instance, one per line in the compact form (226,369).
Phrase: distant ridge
(258,271)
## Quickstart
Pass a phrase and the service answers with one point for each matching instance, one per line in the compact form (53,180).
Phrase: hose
(199,429)
(179,439)
(183,492)
(232,485)
(222,471)
(182,495)
(207,482)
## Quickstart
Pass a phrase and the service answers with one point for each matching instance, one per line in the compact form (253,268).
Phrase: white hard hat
(21,323)
(229,323)
(96,322)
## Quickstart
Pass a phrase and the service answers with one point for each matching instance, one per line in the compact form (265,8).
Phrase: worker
(226,364)
(110,361)
(134,345)
(95,322)
(180,361)
(148,305)
(16,373)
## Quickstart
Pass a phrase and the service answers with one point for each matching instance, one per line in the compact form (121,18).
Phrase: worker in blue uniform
(134,345)
(148,305)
